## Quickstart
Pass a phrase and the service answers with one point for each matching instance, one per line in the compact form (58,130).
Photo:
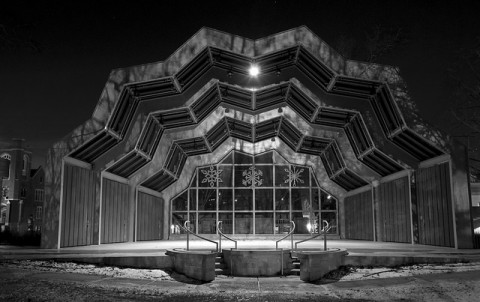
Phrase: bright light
(309,227)
(254,70)
(329,196)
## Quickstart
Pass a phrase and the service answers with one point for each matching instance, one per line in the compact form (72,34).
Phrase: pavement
(355,248)
(368,253)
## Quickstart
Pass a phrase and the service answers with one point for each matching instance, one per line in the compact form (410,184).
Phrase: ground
(54,281)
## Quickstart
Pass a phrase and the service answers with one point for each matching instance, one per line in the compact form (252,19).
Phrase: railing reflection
(325,229)
(186,228)
(292,229)
(221,234)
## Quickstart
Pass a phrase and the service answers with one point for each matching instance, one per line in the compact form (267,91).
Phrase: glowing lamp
(254,71)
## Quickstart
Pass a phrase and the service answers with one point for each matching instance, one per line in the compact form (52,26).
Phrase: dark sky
(55,57)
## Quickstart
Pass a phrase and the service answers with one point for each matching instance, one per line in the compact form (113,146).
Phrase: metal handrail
(292,228)
(186,228)
(220,234)
(324,231)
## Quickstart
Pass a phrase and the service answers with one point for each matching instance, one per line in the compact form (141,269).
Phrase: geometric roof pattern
(298,50)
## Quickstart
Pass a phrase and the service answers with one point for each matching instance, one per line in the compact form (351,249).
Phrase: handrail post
(281,259)
(325,229)
(291,234)
(188,234)
(219,236)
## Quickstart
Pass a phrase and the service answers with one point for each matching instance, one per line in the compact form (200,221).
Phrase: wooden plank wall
(115,211)
(434,206)
(359,216)
(394,217)
(149,217)
(78,209)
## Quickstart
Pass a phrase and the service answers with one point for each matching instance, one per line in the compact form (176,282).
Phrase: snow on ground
(365,273)
(343,274)
(109,271)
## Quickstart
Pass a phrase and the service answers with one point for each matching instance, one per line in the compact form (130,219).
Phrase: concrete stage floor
(363,253)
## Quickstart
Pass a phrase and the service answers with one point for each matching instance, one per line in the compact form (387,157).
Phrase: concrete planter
(258,262)
(194,264)
(315,264)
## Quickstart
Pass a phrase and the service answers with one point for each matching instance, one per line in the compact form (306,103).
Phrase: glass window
(228,159)
(207,199)
(301,200)
(265,158)
(239,176)
(264,199)
(180,202)
(225,200)
(178,221)
(208,176)
(39,195)
(243,200)
(227,222)
(38,213)
(282,200)
(207,223)
(315,199)
(331,218)
(254,197)
(193,199)
(243,159)
(328,202)
(263,223)
(282,223)
(267,175)
(281,176)
(243,223)
(301,223)
(225,176)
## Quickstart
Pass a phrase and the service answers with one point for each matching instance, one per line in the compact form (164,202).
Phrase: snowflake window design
(212,176)
(293,176)
(252,177)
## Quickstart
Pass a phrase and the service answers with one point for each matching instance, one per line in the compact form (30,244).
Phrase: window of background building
(254,195)
(39,195)
(25,165)
(8,157)
(38,213)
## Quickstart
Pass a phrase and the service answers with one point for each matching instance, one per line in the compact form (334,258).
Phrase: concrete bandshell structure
(113,178)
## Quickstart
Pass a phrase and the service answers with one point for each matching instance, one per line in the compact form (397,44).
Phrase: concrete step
(220,265)
(295,272)
(220,271)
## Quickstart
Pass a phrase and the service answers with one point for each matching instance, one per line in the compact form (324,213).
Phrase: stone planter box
(316,264)
(199,265)
(258,262)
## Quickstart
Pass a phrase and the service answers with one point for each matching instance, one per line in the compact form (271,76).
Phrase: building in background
(23,191)
(256,134)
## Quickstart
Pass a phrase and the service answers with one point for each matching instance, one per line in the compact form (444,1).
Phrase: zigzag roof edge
(209,37)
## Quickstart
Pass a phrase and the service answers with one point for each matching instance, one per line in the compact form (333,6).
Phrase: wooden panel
(115,209)
(434,206)
(359,216)
(78,214)
(394,221)
(149,217)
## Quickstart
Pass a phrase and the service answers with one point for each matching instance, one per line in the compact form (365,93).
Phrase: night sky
(55,57)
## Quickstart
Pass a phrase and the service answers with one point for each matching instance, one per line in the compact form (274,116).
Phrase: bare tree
(18,37)
(464,77)
(377,41)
